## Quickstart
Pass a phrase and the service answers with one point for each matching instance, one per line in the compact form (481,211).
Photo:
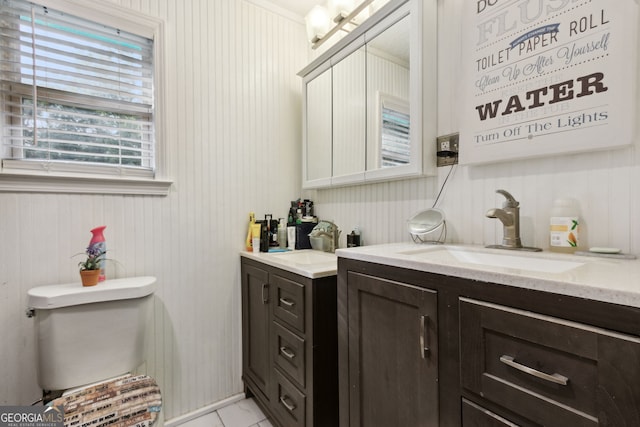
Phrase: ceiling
(298,7)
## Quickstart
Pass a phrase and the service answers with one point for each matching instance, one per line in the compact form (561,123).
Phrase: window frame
(21,176)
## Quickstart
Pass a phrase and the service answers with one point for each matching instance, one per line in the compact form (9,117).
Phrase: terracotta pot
(89,277)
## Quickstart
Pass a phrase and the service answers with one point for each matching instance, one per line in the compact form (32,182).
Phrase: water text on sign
(563,91)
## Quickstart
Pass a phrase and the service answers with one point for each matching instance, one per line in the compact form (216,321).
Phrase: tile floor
(244,413)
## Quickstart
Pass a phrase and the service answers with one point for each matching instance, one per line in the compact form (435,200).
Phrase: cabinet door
(256,361)
(317,148)
(392,353)
(349,117)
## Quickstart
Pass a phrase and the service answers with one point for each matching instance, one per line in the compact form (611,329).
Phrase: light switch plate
(447,149)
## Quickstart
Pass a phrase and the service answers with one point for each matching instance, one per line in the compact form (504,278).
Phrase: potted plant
(90,267)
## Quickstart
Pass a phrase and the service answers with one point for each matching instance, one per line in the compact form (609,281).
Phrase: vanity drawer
(551,371)
(289,354)
(476,416)
(289,302)
(290,403)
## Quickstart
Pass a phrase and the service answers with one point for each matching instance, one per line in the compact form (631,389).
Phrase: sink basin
(306,257)
(492,259)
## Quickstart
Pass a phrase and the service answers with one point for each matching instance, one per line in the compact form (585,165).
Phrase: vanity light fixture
(317,22)
(341,12)
(339,9)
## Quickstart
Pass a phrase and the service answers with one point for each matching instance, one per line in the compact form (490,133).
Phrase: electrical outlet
(447,149)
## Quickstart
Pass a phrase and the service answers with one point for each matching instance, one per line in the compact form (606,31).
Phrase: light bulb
(317,22)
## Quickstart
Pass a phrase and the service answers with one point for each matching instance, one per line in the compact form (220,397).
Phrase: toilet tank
(88,334)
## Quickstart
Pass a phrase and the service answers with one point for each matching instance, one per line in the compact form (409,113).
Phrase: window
(76,95)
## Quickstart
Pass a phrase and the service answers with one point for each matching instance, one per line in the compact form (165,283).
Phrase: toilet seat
(121,402)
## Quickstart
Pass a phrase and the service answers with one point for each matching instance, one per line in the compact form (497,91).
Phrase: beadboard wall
(233,147)
(606,183)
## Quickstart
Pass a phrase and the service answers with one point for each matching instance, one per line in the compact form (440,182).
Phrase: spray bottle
(97,244)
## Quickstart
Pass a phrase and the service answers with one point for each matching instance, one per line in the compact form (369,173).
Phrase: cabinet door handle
(424,336)
(554,378)
(287,302)
(265,293)
(288,353)
(289,406)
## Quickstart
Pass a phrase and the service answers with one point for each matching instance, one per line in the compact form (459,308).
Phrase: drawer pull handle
(265,293)
(289,406)
(424,337)
(287,302)
(554,378)
(284,350)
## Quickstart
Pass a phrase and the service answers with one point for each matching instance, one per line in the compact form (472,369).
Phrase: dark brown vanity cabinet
(392,353)
(418,349)
(289,344)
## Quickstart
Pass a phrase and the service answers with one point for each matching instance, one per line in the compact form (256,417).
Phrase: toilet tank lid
(69,294)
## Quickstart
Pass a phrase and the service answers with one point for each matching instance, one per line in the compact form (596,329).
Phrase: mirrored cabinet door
(349,115)
(388,103)
(318,129)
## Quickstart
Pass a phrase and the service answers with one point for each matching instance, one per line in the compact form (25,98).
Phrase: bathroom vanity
(289,336)
(466,336)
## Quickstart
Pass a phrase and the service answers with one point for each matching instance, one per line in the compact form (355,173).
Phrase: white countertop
(305,262)
(601,279)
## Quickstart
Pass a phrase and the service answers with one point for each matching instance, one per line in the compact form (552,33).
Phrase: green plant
(93,261)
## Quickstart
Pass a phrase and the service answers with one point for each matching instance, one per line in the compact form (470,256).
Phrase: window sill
(76,184)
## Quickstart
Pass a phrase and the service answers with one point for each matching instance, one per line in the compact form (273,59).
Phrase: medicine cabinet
(370,100)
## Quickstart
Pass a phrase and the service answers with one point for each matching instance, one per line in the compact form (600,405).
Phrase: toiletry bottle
(282,234)
(99,245)
(291,237)
(249,243)
(358,236)
(255,237)
(353,239)
(564,226)
(264,236)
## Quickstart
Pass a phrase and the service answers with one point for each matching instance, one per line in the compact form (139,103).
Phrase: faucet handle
(511,202)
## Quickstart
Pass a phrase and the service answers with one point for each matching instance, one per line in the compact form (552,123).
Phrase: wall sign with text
(542,77)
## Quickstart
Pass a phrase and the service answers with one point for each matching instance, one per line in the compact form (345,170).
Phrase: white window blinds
(73,91)
(395,144)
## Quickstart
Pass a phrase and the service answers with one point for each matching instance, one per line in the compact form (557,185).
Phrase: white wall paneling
(233,144)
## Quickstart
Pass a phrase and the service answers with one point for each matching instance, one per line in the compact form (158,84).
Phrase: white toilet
(87,338)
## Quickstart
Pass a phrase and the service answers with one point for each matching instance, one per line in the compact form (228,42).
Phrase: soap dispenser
(564,226)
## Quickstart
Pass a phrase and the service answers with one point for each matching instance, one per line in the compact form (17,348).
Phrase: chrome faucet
(509,215)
